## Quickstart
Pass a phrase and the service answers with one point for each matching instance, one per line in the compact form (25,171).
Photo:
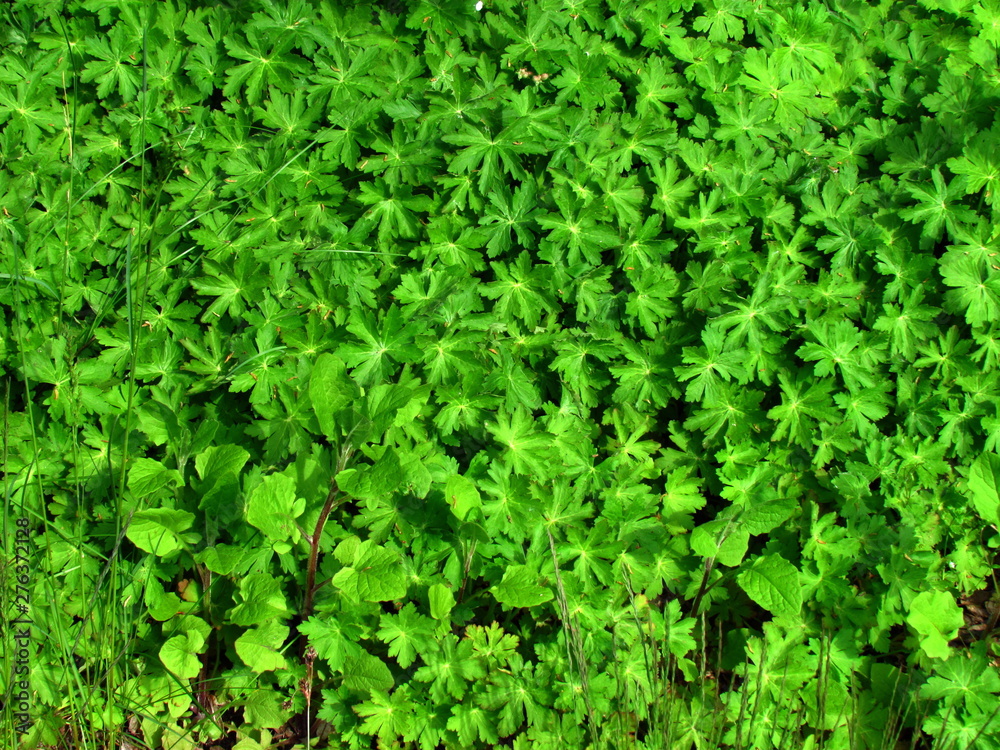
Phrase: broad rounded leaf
(219,461)
(158,530)
(273,507)
(260,647)
(147,476)
(375,576)
(520,588)
(937,618)
(380,574)
(221,558)
(219,467)
(382,404)
(180,653)
(365,673)
(377,480)
(262,600)
(263,709)
(705,541)
(762,518)
(773,583)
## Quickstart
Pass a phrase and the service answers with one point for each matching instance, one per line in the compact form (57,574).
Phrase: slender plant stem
(308,652)
(314,548)
(328,506)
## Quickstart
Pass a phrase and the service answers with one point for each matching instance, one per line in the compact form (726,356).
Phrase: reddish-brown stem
(328,507)
(308,653)
(314,549)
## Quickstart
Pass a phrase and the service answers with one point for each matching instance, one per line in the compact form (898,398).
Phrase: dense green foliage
(454,375)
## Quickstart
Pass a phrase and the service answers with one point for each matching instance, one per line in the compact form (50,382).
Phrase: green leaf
(937,618)
(708,366)
(509,215)
(977,292)
(375,481)
(768,76)
(218,462)
(624,197)
(158,530)
(722,25)
(907,326)
(394,208)
(708,541)
(526,450)
(381,407)
(969,682)
(219,467)
(761,518)
(260,647)
(442,601)
(493,644)
(579,227)
(365,673)
(522,289)
(147,476)
(773,583)
(752,119)
(520,588)
(262,600)
(267,63)
(643,378)
(384,344)
(804,402)
(376,575)
(162,605)
(387,716)
(180,655)
(486,152)
(672,192)
(584,79)
(263,708)
(116,65)
(273,507)
(984,483)
(407,634)
(330,390)
(981,168)
(221,558)
(650,304)
(840,347)
(578,370)
(462,496)
(450,667)
(938,208)
(334,638)
(347,549)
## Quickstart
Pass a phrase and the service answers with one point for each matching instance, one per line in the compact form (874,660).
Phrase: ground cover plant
(558,374)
